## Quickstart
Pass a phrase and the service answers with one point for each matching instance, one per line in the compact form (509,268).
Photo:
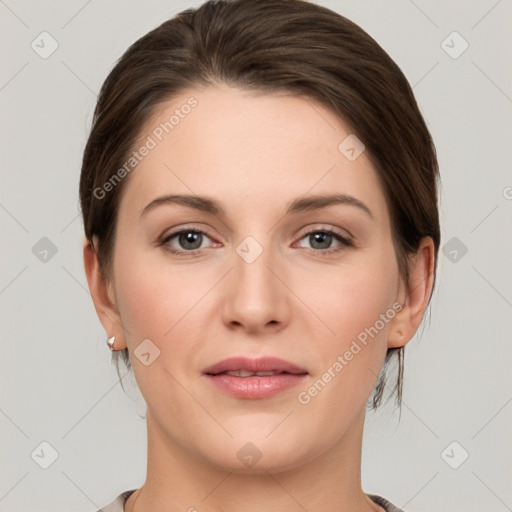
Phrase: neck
(178,480)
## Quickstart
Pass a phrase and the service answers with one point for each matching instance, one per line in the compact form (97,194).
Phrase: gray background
(57,383)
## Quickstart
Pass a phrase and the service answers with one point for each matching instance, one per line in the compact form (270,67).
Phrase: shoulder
(384,503)
(118,504)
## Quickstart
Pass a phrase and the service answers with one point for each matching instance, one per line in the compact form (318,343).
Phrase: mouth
(247,378)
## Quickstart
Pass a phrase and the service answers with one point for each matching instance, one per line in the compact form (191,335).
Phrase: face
(265,272)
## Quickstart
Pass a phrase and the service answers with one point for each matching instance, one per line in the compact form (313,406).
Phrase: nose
(255,296)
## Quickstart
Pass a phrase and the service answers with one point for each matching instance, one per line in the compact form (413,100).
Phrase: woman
(259,195)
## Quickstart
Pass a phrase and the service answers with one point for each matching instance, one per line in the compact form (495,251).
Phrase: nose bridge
(252,261)
(257,295)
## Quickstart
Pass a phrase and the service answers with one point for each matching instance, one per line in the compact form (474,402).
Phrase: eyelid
(328,228)
(179,229)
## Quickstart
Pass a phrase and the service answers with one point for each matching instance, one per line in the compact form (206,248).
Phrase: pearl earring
(110,342)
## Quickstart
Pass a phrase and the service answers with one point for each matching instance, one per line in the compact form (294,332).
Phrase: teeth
(246,373)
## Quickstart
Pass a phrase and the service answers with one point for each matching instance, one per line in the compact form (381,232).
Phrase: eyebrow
(300,204)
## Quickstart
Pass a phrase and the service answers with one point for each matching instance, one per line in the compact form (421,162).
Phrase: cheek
(356,303)
(155,301)
(352,296)
(159,304)
(167,303)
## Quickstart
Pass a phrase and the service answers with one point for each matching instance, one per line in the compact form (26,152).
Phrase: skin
(254,153)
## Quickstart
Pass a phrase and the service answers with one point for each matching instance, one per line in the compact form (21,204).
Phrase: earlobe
(417,294)
(102,295)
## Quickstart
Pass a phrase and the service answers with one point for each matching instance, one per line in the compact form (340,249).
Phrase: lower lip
(256,387)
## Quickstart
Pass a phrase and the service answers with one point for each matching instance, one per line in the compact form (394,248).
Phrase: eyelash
(344,241)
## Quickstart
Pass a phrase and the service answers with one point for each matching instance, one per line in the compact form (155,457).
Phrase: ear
(103,296)
(414,295)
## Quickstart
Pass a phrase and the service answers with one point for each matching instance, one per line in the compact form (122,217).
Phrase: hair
(268,46)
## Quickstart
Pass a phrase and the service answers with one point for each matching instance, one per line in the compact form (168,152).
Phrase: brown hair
(269,45)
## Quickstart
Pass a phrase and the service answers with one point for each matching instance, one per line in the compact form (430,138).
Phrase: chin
(256,452)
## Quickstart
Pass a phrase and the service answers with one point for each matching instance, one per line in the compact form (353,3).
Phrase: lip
(254,387)
(260,364)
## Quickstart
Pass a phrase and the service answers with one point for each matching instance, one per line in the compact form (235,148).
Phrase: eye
(321,240)
(188,240)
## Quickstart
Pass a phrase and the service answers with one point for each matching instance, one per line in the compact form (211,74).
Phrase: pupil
(190,237)
(322,238)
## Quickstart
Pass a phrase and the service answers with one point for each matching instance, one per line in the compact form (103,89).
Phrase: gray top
(118,504)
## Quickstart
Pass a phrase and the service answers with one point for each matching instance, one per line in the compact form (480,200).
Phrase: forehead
(247,149)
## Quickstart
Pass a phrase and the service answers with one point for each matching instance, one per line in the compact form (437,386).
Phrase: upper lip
(261,364)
